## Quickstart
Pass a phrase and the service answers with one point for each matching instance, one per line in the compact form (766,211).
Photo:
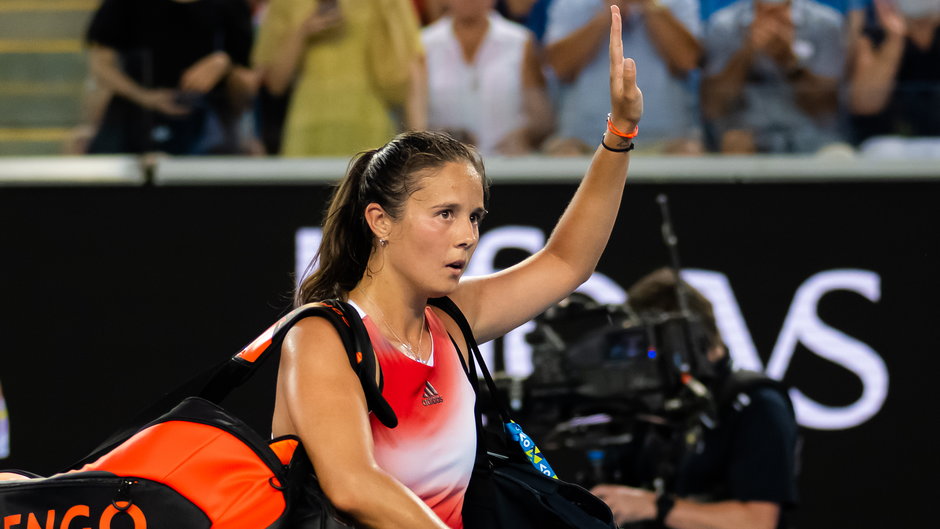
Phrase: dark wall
(110,296)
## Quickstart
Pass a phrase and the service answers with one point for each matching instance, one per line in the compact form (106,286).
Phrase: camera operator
(741,473)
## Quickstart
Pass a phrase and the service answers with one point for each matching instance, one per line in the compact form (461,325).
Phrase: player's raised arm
(498,303)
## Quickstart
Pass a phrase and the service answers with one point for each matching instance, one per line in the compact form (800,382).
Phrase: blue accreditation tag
(531,451)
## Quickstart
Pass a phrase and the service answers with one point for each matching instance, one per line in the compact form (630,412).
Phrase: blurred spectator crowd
(513,77)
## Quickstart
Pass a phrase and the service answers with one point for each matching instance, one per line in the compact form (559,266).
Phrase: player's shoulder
(312,333)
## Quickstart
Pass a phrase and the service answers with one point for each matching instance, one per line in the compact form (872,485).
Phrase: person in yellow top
(353,69)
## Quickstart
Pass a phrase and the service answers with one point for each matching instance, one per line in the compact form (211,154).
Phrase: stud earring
(383,242)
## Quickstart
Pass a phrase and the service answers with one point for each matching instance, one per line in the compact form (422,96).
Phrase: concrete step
(43,24)
(43,67)
(43,70)
(33,141)
(40,110)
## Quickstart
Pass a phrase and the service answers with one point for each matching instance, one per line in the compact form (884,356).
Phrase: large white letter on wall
(803,325)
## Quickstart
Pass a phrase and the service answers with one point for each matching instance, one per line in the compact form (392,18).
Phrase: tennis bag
(197,466)
(512,484)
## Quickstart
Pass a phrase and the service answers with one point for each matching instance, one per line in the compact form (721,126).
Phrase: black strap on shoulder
(488,441)
(345,319)
(450,308)
(369,370)
(217,382)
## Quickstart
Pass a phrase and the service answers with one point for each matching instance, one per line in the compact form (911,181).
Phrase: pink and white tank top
(432,450)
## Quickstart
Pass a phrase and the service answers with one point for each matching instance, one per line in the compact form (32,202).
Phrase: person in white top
(485,83)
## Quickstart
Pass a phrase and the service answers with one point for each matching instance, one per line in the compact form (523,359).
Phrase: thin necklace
(403,346)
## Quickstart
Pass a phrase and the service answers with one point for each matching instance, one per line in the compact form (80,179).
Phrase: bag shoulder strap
(217,382)
(345,319)
(512,430)
(451,309)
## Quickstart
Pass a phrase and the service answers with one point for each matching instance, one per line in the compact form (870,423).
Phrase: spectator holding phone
(172,66)
(895,80)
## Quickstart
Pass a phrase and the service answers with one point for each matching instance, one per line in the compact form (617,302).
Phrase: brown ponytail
(386,176)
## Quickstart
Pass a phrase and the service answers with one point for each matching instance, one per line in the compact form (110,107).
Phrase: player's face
(432,241)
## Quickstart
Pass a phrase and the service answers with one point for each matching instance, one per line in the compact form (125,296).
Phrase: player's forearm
(582,232)
(376,500)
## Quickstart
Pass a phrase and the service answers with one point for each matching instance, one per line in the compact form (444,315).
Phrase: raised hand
(626,99)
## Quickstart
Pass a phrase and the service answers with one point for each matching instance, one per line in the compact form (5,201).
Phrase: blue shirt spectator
(772,69)
(661,36)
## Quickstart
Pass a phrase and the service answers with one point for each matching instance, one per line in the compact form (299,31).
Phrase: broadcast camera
(609,380)
(589,357)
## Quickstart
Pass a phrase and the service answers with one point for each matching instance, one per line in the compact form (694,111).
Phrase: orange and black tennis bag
(190,464)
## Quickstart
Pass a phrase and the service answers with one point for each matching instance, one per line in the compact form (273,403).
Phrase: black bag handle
(487,443)
(451,309)
(345,318)
(215,383)
(469,367)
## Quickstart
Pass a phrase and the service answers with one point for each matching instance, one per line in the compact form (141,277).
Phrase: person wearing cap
(771,76)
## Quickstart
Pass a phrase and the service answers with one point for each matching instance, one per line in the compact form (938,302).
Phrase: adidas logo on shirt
(430,395)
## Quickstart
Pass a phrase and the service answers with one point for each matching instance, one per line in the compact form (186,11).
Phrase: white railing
(167,171)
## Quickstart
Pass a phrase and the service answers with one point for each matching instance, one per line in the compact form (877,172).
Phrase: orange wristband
(618,132)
